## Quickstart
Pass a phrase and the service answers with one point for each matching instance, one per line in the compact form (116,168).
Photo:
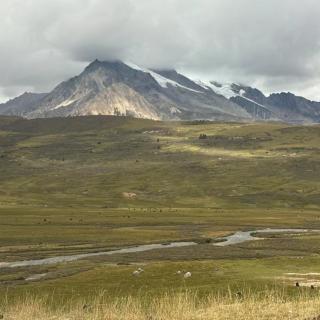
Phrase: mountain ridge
(123,88)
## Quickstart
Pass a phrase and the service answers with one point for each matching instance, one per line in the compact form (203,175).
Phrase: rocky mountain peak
(123,88)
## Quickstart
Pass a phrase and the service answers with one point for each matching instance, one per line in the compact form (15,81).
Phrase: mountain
(22,104)
(283,106)
(118,88)
(124,89)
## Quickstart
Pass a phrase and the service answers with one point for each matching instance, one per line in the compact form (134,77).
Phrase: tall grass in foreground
(185,306)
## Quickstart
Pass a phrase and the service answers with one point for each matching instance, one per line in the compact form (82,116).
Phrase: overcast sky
(271,44)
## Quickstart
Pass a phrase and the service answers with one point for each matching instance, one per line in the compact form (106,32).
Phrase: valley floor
(94,184)
(275,260)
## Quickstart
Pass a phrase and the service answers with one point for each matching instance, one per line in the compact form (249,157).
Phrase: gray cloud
(274,44)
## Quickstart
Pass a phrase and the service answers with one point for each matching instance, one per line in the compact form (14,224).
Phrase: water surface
(70,258)
(243,236)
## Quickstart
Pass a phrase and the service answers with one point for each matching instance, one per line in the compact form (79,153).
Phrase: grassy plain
(69,186)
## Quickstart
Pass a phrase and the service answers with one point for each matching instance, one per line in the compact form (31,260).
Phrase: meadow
(92,184)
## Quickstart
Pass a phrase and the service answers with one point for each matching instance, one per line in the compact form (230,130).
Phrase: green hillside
(120,162)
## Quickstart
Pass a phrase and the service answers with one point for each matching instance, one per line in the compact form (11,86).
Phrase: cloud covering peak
(273,44)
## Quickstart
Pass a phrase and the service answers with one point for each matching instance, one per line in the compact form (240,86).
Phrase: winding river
(236,238)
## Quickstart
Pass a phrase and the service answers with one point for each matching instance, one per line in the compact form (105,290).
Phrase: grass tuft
(184,306)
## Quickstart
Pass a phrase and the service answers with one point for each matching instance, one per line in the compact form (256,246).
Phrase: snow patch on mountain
(226,90)
(162,81)
(64,104)
(174,110)
(250,100)
(221,89)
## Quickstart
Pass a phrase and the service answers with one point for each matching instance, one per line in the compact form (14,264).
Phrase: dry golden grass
(178,307)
